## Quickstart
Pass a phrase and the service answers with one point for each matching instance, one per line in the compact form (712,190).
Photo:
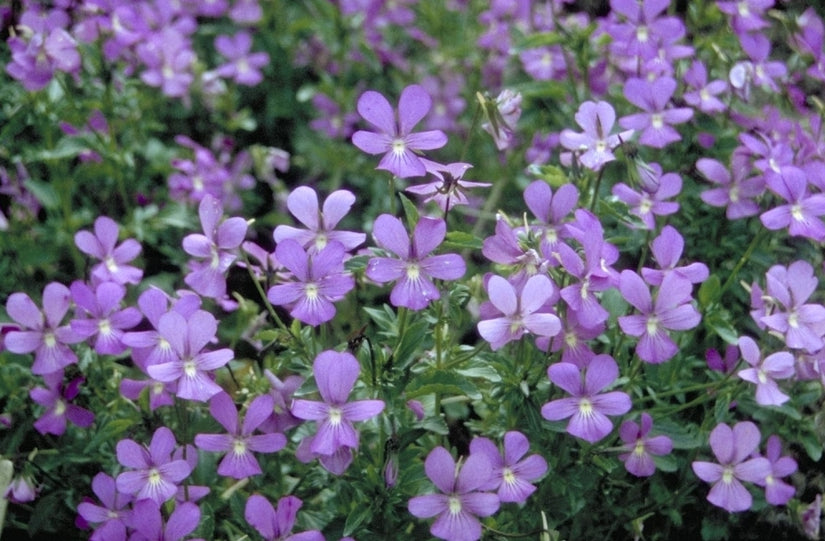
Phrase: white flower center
(733,194)
(508,476)
(334,416)
(110,264)
(793,320)
(571,339)
(796,212)
(311,291)
(639,450)
(761,376)
(642,34)
(321,241)
(454,505)
(704,94)
(59,407)
(743,9)
(216,258)
(239,447)
(585,407)
(190,368)
(727,475)
(104,327)
(652,325)
(413,271)
(154,477)
(398,147)
(48,339)
(656,121)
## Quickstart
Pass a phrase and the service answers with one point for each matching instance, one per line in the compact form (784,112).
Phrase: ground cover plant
(456,269)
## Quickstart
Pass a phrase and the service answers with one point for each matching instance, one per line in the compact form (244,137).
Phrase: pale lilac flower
(777,491)
(276,524)
(801,214)
(41,332)
(461,500)
(764,372)
(154,474)
(320,222)
(448,188)
(113,259)
(242,67)
(240,443)
(34,62)
(656,120)
(640,448)
(736,190)
(147,521)
(544,63)
(335,374)
(512,472)
(507,112)
(192,367)
(594,147)
(732,447)
(417,408)
(415,267)
(246,12)
(395,138)
(216,248)
(113,515)
(704,96)
(746,15)
(667,250)
(519,312)
(587,407)
(319,281)
(57,400)
(801,323)
(169,60)
(651,200)
(99,315)
(281,419)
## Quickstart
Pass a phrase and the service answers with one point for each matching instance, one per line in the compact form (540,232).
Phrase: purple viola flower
(319,281)
(587,407)
(41,332)
(801,323)
(281,419)
(34,62)
(650,202)
(801,214)
(242,67)
(764,372)
(639,447)
(579,296)
(320,222)
(113,259)
(671,311)
(246,12)
(395,138)
(732,447)
(148,525)
(276,524)
(216,247)
(335,374)
(240,443)
(594,146)
(512,472)
(154,474)
(415,268)
(507,248)
(746,15)
(57,400)
(550,209)
(519,311)
(544,63)
(448,188)
(331,121)
(113,515)
(725,364)
(99,316)
(777,491)
(573,340)
(22,489)
(656,120)
(169,60)
(736,189)
(703,97)
(461,500)
(667,250)
(192,367)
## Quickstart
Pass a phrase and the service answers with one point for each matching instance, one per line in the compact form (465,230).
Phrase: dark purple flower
(594,146)
(724,364)
(415,267)
(639,448)
(461,500)
(100,316)
(240,443)
(656,120)
(41,332)
(57,400)
(113,516)
(335,374)
(154,474)
(764,372)
(732,447)
(320,223)
(113,259)
(242,67)
(319,281)
(276,524)
(147,521)
(587,407)
(395,138)
(512,472)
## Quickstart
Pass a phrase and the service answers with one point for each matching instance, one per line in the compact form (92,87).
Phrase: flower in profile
(216,248)
(319,281)
(594,146)
(41,332)
(113,515)
(513,474)
(147,521)
(154,474)
(777,491)
(113,259)
(276,524)
(395,138)
(732,447)
(240,443)
(335,374)
(587,407)
(57,400)
(448,188)
(21,490)
(764,372)
(320,222)
(461,500)
(640,448)
(415,267)
(503,114)
(519,311)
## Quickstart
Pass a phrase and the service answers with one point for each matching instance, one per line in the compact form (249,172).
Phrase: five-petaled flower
(154,474)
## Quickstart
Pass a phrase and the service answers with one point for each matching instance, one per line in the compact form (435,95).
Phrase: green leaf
(460,240)
(482,371)
(361,514)
(44,192)
(666,463)
(444,383)
(709,291)
(356,263)
(410,212)
(411,342)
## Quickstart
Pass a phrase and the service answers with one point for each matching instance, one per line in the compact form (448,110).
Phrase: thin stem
(596,190)
(744,259)
(473,125)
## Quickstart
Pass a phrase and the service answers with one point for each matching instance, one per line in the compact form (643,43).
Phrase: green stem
(596,190)
(744,259)
(473,125)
